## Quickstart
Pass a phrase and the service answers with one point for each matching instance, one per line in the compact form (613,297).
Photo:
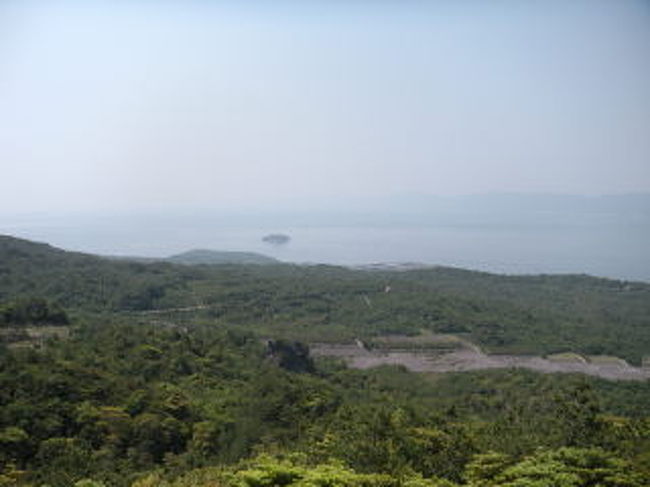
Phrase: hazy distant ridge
(204,256)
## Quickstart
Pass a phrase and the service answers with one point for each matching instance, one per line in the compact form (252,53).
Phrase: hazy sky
(108,105)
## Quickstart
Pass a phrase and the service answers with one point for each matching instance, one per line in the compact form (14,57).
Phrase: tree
(564,467)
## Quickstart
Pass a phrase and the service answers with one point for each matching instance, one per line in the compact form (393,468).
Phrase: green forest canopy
(223,394)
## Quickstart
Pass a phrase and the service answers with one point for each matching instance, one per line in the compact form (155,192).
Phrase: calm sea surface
(613,250)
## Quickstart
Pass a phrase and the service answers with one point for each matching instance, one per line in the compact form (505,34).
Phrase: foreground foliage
(119,400)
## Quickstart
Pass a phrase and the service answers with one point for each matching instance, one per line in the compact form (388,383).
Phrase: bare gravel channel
(471,358)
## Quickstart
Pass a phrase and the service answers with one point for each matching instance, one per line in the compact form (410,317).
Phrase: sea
(604,247)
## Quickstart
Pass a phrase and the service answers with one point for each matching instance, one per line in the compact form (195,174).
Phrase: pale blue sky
(257,105)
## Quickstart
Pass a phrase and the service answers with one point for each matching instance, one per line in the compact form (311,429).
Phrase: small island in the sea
(276,238)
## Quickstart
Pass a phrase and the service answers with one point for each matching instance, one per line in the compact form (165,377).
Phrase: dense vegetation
(514,314)
(31,311)
(118,400)
(217,392)
(203,256)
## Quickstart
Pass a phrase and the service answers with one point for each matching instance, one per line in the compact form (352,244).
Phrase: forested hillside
(176,375)
(203,256)
(508,314)
(118,400)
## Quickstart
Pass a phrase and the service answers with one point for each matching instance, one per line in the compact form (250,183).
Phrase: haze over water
(605,237)
(150,128)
